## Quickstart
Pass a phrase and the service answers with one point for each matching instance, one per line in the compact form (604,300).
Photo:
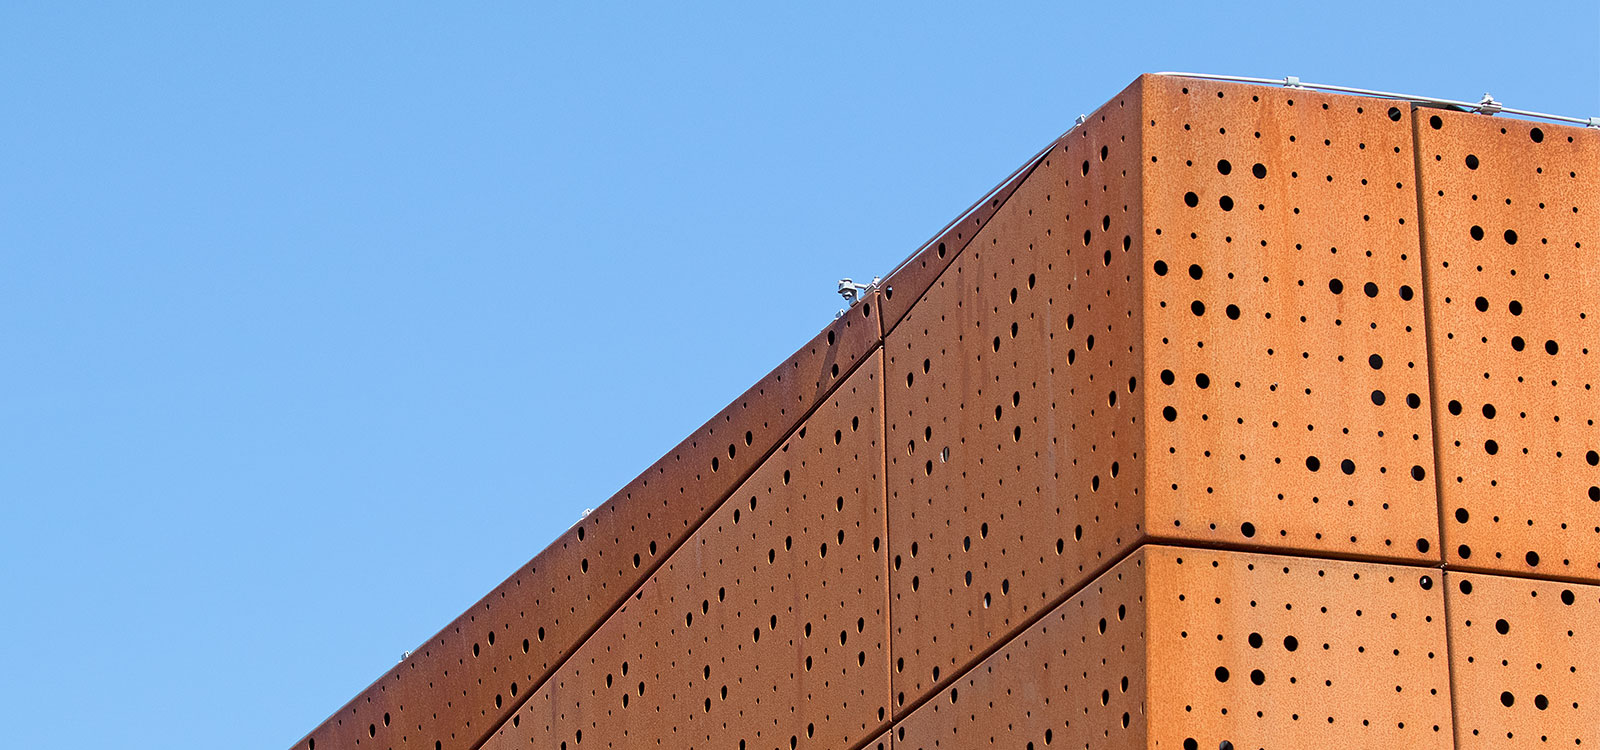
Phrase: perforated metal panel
(1524,661)
(907,285)
(463,682)
(1511,230)
(1274,651)
(1074,679)
(1187,648)
(958,547)
(767,629)
(1284,323)
(1012,399)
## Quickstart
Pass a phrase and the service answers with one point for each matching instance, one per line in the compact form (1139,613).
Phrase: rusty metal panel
(464,682)
(1074,679)
(1256,651)
(1012,397)
(768,628)
(1511,230)
(1255,259)
(911,280)
(1286,360)
(1524,661)
(1186,648)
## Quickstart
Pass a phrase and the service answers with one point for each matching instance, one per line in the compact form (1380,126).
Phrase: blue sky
(320,319)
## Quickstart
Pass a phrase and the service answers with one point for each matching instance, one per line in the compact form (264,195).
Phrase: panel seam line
(800,421)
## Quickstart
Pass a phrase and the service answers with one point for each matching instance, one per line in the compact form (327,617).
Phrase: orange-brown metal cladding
(1286,358)
(1524,661)
(1292,652)
(1184,648)
(1511,231)
(1074,679)
(1151,449)
(906,286)
(767,629)
(1011,400)
(460,685)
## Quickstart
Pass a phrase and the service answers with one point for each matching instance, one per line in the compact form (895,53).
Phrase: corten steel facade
(1242,417)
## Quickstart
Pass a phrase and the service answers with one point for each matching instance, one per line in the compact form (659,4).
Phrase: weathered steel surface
(767,629)
(1074,679)
(1511,233)
(464,681)
(1524,661)
(1286,358)
(1277,651)
(906,286)
(1203,318)
(1012,398)
(1185,648)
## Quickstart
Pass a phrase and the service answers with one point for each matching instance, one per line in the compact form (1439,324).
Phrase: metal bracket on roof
(1488,106)
(1292,82)
(852,292)
(1081,120)
(1594,122)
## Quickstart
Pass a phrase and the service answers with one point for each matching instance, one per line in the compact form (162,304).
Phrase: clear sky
(317,320)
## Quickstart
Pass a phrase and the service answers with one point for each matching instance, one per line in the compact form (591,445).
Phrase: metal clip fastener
(851,291)
(1488,106)
(1292,82)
